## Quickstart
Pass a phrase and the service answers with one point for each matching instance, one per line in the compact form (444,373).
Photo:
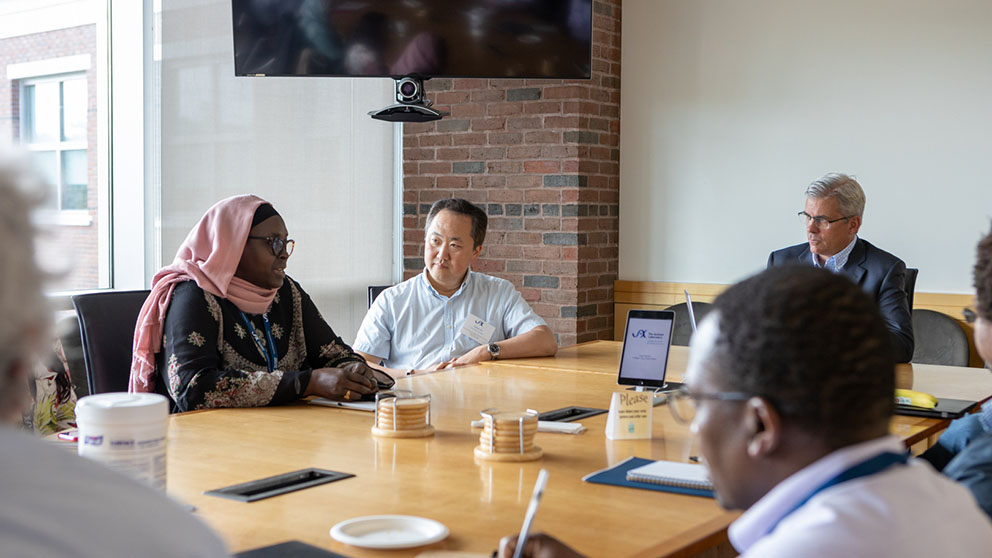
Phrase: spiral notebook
(617,476)
(672,473)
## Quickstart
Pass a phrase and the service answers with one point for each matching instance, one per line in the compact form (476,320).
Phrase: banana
(915,398)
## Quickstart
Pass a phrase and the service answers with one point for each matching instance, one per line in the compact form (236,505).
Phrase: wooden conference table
(439,477)
(955,382)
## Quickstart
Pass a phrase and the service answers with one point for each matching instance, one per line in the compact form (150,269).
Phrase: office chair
(910,284)
(106,326)
(683,327)
(939,339)
(375,291)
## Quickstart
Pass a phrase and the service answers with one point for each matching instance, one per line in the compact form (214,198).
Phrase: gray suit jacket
(879,274)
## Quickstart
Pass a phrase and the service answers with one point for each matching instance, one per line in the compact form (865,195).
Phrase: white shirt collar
(783,498)
(426,282)
(836,262)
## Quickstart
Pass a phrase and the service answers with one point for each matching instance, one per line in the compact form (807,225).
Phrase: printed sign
(630,415)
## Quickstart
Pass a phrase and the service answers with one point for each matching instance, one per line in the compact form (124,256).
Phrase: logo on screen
(640,334)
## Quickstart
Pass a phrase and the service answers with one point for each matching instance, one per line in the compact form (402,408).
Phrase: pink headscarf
(210,256)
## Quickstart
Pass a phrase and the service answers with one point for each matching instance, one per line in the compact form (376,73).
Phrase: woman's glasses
(278,244)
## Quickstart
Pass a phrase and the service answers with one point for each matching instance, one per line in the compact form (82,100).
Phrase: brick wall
(62,246)
(542,158)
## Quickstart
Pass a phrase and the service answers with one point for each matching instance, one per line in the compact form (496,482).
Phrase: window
(54,128)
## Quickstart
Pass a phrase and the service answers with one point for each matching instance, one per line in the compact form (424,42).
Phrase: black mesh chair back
(375,291)
(683,327)
(939,339)
(106,327)
(910,284)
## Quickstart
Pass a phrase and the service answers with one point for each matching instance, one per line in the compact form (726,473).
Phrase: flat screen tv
(421,38)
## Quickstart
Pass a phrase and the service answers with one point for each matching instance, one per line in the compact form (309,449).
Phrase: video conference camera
(411,105)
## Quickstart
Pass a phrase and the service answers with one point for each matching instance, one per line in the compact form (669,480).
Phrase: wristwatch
(494,351)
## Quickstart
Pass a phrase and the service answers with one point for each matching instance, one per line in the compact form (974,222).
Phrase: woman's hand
(349,382)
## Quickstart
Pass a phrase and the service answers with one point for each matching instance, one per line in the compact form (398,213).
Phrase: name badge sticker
(476,329)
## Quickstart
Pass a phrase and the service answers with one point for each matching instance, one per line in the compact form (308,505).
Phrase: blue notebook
(617,475)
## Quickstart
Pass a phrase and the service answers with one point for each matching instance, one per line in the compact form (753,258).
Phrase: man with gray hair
(835,205)
(54,503)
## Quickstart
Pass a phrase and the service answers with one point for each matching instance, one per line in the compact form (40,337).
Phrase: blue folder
(617,475)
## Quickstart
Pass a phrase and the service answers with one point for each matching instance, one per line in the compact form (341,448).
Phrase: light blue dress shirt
(836,262)
(410,325)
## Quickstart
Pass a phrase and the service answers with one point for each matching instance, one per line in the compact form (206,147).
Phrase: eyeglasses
(278,244)
(682,403)
(969,315)
(821,221)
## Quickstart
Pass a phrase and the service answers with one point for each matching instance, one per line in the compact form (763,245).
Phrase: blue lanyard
(271,356)
(866,468)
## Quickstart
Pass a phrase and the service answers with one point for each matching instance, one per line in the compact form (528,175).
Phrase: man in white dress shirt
(791,380)
(53,502)
(450,315)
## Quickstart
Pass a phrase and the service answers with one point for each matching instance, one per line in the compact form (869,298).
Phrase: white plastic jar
(126,432)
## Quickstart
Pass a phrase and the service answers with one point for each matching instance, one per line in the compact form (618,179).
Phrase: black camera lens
(408,89)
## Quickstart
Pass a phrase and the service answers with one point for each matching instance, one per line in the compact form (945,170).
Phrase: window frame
(57,215)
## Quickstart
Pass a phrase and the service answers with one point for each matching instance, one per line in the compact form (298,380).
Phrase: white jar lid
(122,407)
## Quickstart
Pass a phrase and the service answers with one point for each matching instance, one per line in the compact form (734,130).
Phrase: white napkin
(547,426)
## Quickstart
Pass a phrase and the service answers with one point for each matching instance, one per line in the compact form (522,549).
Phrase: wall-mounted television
(423,38)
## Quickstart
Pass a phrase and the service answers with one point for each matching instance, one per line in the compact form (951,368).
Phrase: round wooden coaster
(427,430)
(403,416)
(390,425)
(403,404)
(483,453)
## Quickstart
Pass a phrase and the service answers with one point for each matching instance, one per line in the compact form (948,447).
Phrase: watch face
(493,349)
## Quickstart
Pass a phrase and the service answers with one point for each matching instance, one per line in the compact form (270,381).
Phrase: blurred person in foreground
(964,452)
(52,502)
(790,390)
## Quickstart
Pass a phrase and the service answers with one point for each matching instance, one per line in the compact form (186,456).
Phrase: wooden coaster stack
(508,437)
(403,417)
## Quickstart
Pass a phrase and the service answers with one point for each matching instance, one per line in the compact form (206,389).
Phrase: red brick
(506,195)
(542,224)
(505,138)
(483,153)
(542,107)
(469,84)
(524,181)
(488,95)
(435,168)
(468,110)
(451,97)
(452,154)
(429,140)
(504,109)
(544,195)
(418,182)
(566,92)
(452,182)
(523,123)
(542,167)
(543,136)
(483,124)
(418,154)
(488,181)
(524,152)
(469,139)
(503,167)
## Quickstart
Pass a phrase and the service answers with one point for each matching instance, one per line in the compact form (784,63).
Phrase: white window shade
(305,144)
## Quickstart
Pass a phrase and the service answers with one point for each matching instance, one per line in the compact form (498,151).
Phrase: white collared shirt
(836,262)
(410,325)
(905,510)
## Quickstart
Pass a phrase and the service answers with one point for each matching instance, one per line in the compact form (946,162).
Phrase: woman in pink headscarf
(224,326)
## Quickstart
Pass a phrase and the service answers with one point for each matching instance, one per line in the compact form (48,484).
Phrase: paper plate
(389,531)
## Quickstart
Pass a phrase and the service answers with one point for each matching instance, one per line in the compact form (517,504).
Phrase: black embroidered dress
(209,357)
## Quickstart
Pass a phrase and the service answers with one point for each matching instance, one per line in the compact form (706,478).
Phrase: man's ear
(855,224)
(476,251)
(765,427)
